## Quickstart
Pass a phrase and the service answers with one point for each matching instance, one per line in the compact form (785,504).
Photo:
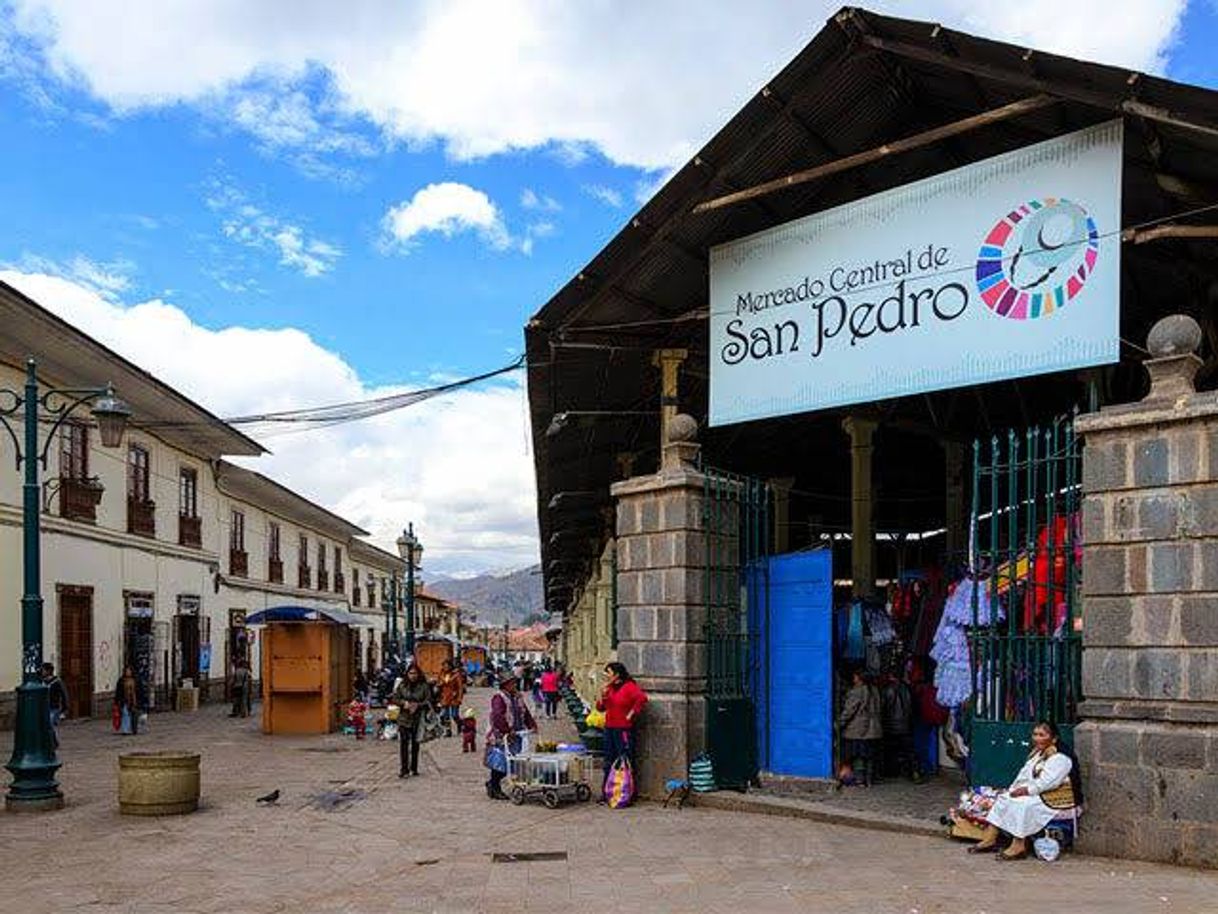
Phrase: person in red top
(622,700)
(550,681)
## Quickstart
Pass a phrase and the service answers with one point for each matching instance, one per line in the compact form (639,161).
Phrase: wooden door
(76,648)
(188,649)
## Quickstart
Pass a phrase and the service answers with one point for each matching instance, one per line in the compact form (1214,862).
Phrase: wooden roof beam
(1034,83)
(918,140)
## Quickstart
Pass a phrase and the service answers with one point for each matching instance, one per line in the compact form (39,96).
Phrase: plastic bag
(430,726)
(702,774)
(1047,849)
(619,786)
(496,759)
(595,719)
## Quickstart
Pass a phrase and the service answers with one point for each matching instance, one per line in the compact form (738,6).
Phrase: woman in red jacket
(621,700)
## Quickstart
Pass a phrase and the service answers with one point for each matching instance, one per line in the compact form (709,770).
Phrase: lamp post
(392,608)
(33,763)
(411,550)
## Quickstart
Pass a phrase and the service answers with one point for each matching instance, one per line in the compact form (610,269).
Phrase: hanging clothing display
(950,650)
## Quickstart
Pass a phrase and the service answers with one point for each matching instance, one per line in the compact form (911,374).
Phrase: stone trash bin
(158,783)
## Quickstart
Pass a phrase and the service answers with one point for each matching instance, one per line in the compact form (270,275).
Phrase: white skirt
(1020,816)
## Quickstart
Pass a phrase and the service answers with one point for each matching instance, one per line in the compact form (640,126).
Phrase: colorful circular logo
(1036,258)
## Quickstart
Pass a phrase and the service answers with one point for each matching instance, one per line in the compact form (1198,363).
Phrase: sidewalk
(890,805)
(349,836)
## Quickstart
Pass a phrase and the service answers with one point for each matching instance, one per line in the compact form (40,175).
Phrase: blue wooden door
(796,672)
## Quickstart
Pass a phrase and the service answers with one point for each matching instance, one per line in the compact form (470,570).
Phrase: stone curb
(816,812)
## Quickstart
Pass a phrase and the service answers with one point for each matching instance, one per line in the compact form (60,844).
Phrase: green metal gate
(1026,542)
(736,530)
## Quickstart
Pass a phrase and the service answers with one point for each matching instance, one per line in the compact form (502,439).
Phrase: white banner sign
(1002,269)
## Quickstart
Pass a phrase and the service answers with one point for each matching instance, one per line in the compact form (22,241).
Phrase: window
(74,452)
(371,592)
(236,533)
(188,492)
(274,571)
(321,556)
(78,494)
(138,479)
(338,560)
(356,593)
(304,551)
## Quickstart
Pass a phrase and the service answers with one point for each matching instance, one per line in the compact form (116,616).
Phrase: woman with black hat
(509,716)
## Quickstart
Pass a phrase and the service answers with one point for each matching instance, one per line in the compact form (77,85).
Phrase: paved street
(425,845)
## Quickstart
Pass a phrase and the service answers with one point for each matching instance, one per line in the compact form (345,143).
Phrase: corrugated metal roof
(864,79)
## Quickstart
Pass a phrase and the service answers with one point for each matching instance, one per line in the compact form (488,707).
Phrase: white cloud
(447,208)
(456,465)
(105,279)
(630,80)
(607,195)
(250,225)
(530,199)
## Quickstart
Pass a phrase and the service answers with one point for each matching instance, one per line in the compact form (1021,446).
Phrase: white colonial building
(154,553)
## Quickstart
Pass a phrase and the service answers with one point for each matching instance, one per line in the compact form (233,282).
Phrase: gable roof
(862,81)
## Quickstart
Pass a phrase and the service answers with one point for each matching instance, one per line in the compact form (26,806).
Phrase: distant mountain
(514,596)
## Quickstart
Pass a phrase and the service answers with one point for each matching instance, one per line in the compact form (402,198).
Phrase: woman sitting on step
(1040,791)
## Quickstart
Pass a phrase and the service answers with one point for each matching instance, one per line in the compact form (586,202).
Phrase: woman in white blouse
(1040,791)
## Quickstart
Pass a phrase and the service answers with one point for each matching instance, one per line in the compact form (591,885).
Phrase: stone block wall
(661,616)
(1148,740)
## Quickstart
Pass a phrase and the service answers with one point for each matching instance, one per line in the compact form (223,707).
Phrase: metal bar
(918,140)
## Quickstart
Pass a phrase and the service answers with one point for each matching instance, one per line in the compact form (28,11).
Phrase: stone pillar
(669,362)
(955,508)
(781,487)
(1148,740)
(661,559)
(862,527)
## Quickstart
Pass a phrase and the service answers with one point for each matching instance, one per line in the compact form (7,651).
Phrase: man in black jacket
(57,695)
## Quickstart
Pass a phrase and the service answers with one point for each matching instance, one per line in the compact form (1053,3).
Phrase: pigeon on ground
(270,799)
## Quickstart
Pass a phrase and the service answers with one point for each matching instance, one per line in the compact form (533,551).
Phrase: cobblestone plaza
(348,836)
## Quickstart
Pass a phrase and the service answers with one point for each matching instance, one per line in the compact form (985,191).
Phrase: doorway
(236,648)
(76,648)
(186,648)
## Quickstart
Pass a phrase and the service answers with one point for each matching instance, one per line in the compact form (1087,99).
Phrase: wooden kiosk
(308,667)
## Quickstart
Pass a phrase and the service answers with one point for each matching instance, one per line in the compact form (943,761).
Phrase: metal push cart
(557,777)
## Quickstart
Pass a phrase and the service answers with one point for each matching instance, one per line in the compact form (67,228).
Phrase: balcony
(274,571)
(323,579)
(78,498)
(340,583)
(304,576)
(238,563)
(190,531)
(141,517)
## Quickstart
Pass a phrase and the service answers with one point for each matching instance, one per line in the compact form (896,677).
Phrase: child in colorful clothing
(357,717)
(469,731)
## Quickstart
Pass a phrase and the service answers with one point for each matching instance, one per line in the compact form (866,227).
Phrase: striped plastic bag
(619,786)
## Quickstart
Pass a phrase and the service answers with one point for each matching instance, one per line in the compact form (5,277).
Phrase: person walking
(241,688)
(622,700)
(861,727)
(509,717)
(550,681)
(896,701)
(413,696)
(128,701)
(57,697)
(452,691)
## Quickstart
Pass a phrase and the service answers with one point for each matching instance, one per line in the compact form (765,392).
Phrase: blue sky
(403,183)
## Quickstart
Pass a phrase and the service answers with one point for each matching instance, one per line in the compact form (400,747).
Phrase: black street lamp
(411,550)
(33,763)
